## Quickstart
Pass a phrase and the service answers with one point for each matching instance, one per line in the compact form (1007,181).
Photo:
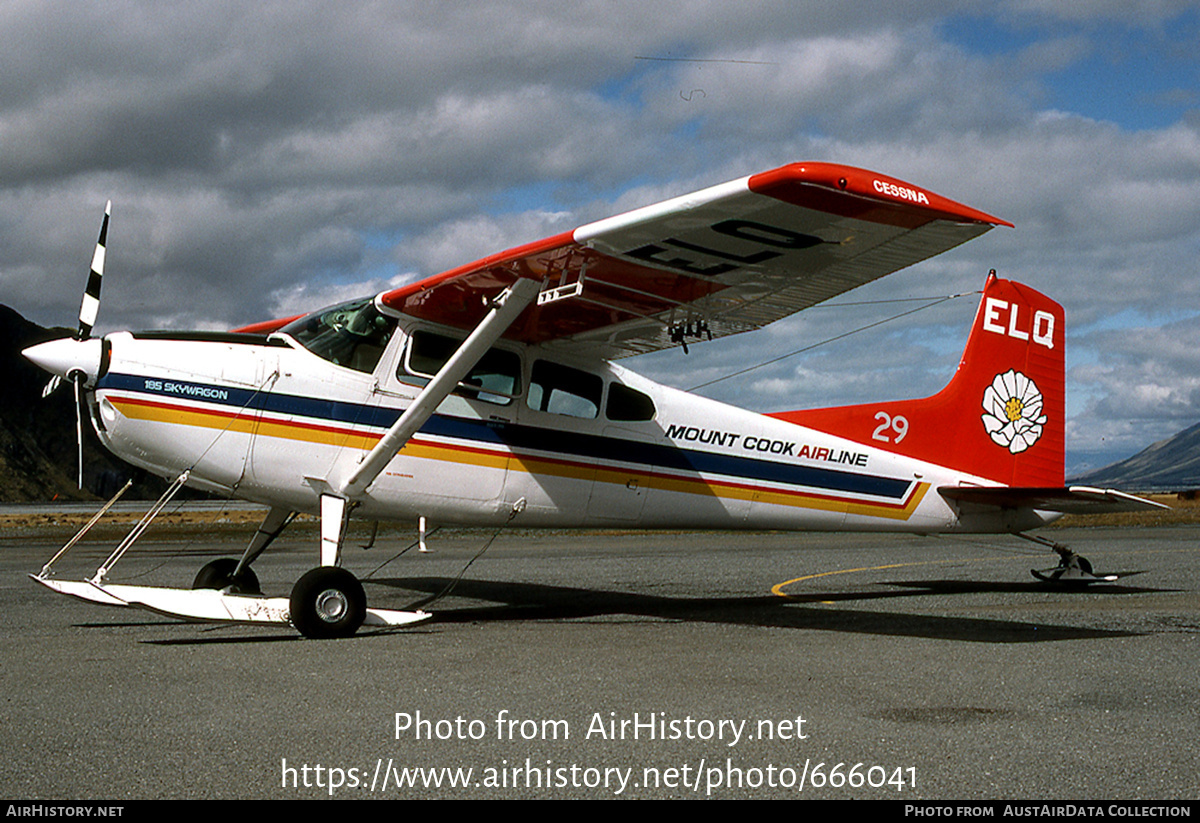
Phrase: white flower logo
(1013,411)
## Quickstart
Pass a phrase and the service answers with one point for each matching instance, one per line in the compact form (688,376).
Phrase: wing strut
(501,314)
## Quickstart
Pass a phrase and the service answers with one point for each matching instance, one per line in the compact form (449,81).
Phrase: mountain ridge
(38,452)
(1171,464)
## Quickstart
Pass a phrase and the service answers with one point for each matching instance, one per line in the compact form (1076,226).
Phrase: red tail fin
(1002,416)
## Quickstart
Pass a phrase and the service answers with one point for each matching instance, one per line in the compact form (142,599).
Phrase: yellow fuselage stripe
(473,456)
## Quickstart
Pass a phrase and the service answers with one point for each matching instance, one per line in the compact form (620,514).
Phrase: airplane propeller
(91,295)
(66,357)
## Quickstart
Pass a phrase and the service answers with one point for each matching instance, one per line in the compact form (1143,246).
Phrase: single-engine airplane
(488,395)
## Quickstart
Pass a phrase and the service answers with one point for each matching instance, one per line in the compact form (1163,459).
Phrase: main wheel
(218,574)
(328,602)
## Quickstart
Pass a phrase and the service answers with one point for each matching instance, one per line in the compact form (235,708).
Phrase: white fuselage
(271,422)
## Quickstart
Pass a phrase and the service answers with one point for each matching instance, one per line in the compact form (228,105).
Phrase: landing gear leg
(329,601)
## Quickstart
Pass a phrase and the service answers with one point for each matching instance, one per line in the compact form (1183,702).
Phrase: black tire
(328,602)
(218,574)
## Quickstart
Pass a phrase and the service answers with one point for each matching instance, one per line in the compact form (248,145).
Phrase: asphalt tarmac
(625,665)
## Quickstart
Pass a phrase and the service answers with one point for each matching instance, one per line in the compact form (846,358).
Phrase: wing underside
(720,261)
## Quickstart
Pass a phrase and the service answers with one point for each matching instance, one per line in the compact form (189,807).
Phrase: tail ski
(1002,416)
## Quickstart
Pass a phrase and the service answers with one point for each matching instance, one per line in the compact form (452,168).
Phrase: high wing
(727,259)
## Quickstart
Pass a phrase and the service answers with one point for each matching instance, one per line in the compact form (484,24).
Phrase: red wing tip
(865,183)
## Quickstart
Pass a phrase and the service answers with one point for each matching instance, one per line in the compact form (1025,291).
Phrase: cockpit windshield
(352,334)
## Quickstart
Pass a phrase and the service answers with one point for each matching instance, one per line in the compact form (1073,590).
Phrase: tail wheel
(218,574)
(328,602)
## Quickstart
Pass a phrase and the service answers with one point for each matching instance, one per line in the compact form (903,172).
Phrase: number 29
(890,426)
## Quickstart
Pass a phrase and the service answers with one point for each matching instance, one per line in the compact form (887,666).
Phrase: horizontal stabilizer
(1068,500)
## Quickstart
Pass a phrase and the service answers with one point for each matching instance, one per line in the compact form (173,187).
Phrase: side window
(496,378)
(625,403)
(561,389)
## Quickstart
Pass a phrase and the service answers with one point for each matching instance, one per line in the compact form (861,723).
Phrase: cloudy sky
(268,158)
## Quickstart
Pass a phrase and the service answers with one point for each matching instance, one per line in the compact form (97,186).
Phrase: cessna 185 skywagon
(488,395)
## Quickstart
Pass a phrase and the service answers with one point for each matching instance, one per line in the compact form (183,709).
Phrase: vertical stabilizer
(1002,416)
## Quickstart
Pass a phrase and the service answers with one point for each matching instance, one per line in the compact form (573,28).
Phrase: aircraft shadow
(969,587)
(532,601)
(808,610)
(217,641)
